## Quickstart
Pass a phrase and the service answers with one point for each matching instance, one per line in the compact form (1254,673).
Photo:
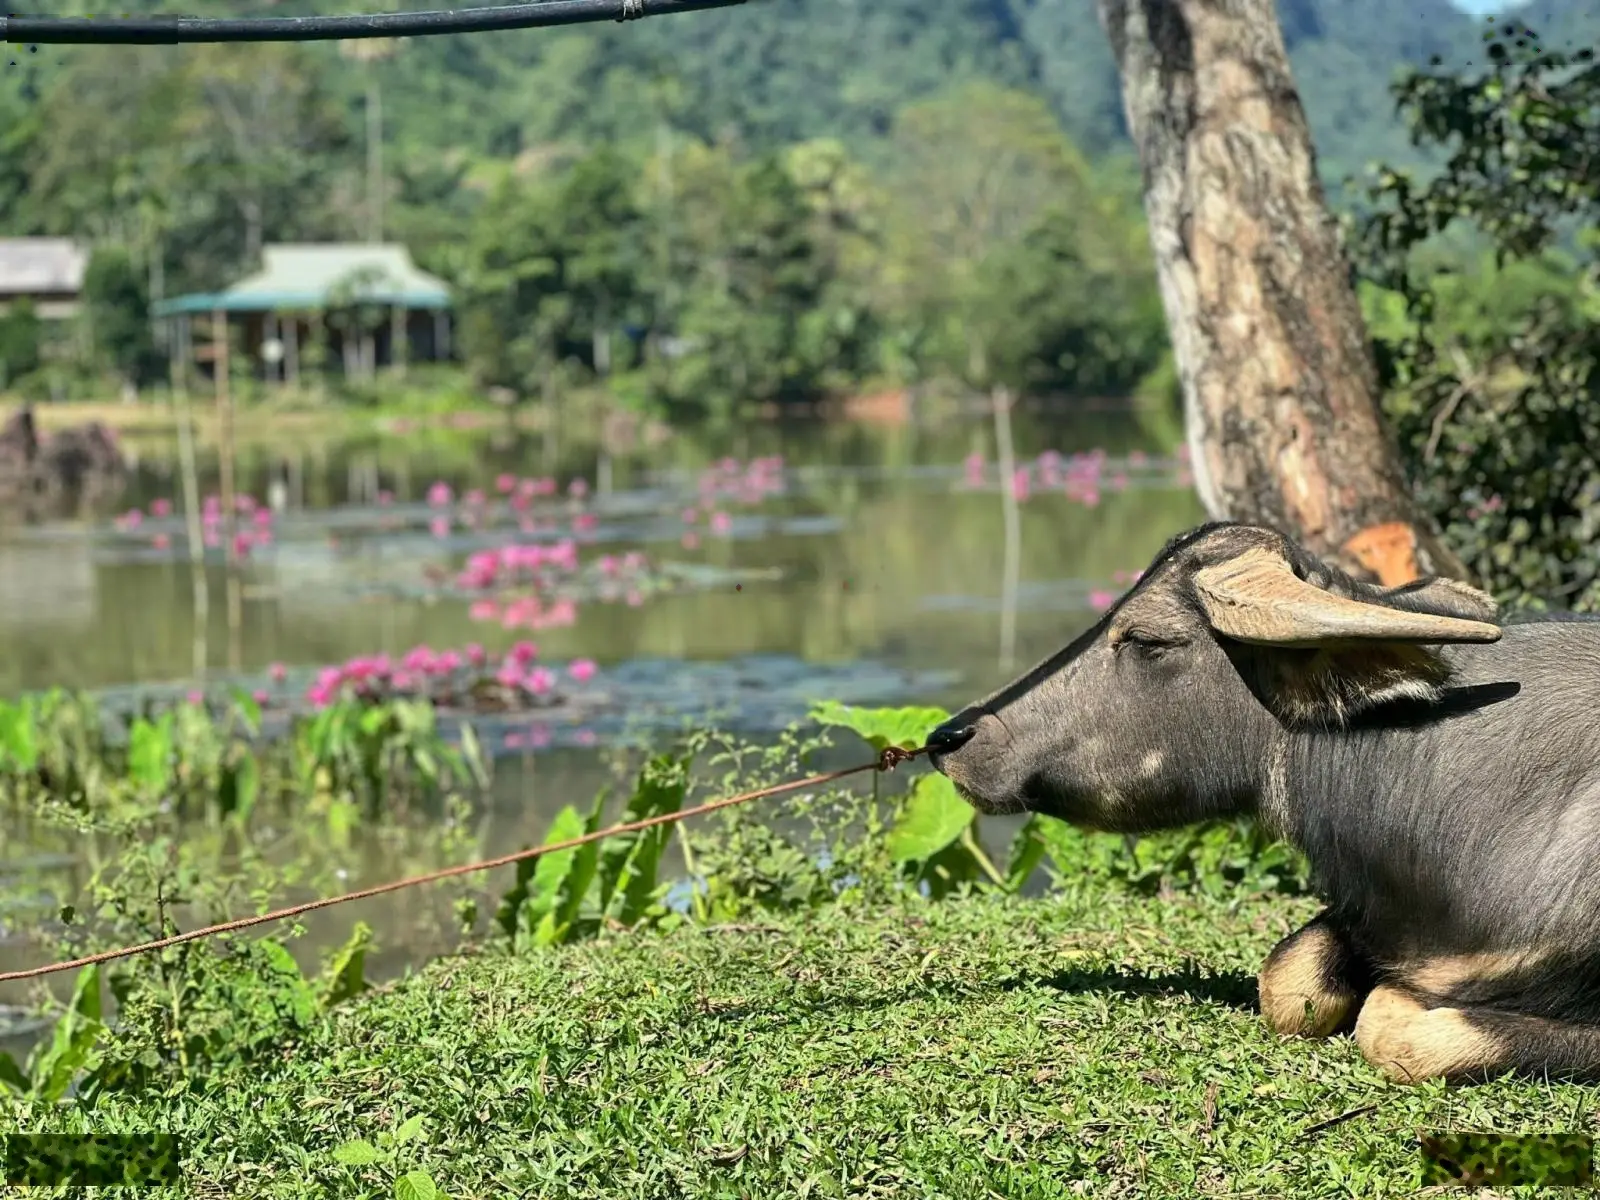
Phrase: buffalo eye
(1143,643)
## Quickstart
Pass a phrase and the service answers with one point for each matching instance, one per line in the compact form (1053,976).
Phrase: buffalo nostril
(947,739)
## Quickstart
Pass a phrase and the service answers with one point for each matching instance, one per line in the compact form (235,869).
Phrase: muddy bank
(63,474)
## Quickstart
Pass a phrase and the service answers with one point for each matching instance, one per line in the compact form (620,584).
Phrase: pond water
(856,562)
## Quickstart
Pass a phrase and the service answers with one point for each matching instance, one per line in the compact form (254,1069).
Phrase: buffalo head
(1164,712)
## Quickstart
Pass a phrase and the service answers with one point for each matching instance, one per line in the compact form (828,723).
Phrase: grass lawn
(1100,1044)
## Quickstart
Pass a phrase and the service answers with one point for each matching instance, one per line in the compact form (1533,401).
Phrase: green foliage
(615,882)
(117,307)
(56,1063)
(21,333)
(1492,377)
(388,1152)
(352,757)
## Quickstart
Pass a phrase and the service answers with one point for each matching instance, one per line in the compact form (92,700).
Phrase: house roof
(32,266)
(323,275)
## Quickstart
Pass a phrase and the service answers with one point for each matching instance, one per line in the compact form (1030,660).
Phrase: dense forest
(757,203)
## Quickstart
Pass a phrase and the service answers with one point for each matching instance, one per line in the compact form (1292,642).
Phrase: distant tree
(20,335)
(117,308)
(1280,387)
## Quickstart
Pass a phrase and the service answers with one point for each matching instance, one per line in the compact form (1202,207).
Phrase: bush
(1490,373)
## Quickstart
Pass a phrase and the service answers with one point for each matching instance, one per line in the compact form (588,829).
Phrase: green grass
(1092,1044)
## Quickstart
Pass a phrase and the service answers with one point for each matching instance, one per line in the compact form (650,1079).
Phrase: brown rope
(887,760)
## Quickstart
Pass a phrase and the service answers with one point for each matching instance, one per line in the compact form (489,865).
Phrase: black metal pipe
(116,31)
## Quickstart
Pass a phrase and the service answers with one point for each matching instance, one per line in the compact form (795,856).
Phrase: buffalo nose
(950,737)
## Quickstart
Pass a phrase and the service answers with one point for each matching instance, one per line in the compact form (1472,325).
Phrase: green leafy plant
(1490,357)
(387,1151)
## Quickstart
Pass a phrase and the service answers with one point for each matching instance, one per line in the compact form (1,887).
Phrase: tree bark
(1281,396)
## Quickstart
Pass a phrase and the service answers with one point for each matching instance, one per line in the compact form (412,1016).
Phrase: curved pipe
(117,31)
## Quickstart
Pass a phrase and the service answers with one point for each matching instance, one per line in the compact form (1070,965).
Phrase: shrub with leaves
(1500,418)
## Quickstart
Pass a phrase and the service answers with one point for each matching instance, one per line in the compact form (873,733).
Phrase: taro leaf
(1070,851)
(357,1153)
(471,755)
(628,863)
(948,869)
(934,816)
(150,753)
(11,1075)
(416,1185)
(19,747)
(550,889)
(245,705)
(585,867)
(72,1041)
(532,902)
(346,975)
(277,992)
(239,786)
(906,728)
(1028,850)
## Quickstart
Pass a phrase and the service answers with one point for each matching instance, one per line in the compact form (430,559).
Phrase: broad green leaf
(409,1129)
(359,1153)
(628,863)
(11,1075)
(150,753)
(346,972)
(1027,852)
(934,816)
(19,748)
(245,704)
(906,728)
(72,1040)
(415,1185)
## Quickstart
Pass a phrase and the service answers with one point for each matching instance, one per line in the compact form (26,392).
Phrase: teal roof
(319,276)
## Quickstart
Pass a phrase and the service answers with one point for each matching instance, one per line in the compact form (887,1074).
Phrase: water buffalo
(1440,772)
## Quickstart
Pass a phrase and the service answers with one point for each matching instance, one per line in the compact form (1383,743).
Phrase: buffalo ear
(1320,655)
(1328,688)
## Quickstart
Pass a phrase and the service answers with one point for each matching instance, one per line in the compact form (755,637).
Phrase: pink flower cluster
(511,564)
(728,480)
(476,509)
(1083,477)
(526,612)
(256,522)
(423,670)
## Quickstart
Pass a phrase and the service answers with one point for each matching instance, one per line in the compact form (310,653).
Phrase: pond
(732,580)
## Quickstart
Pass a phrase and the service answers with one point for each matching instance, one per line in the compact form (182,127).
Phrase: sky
(1484,8)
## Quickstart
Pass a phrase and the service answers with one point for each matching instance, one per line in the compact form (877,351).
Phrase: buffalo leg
(1313,982)
(1410,1041)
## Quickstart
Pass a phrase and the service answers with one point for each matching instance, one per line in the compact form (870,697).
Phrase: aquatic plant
(378,753)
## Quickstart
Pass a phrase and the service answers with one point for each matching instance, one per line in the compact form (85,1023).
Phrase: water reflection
(882,554)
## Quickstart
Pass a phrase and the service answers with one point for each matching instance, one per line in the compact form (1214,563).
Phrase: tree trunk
(1280,387)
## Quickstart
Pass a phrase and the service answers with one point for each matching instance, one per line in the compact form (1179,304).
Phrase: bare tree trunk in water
(1000,398)
(1280,388)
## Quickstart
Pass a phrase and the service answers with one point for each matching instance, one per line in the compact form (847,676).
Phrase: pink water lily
(539,681)
(160,508)
(439,494)
(582,670)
